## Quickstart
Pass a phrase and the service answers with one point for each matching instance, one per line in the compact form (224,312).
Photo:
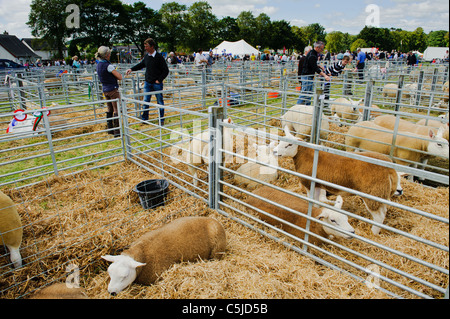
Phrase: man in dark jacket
(309,69)
(155,73)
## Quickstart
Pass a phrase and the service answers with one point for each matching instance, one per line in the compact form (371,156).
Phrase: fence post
(419,87)
(125,127)
(215,159)
(368,100)
(50,140)
(317,116)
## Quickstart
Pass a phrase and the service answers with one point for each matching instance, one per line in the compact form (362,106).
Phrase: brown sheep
(185,239)
(326,215)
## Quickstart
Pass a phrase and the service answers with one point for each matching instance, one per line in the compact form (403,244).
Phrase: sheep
(362,176)
(11,231)
(299,119)
(326,215)
(184,239)
(390,90)
(345,109)
(410,91)
(444,102)
(388,121)
(199,150)
(368,136)
(60,291)
(434,123)
(258,171)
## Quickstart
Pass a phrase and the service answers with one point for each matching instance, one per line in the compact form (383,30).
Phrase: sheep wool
(10,228)
(185,239)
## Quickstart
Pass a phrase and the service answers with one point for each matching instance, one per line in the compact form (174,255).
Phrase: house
(42,48)
(12,48)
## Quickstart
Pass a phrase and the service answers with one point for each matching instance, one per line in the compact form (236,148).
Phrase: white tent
(240,48)
(434,53)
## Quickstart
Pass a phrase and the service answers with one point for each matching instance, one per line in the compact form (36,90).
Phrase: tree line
(181,28)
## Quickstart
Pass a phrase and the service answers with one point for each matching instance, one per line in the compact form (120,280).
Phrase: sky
(333,15)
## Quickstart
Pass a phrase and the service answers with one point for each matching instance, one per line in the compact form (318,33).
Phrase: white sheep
(198,152)
(256,170)
(185,239)
(362,176)
(11,231)
(410,91)
(345,109)
(324,214)
(299,119)
(408,148)
(441,120)
(388,121)
(390,90)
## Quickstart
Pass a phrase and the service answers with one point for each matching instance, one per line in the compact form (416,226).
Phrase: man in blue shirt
(360,59)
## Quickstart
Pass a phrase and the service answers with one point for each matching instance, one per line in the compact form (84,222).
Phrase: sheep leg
(15,257)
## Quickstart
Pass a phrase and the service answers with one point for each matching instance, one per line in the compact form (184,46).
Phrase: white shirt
(200,59)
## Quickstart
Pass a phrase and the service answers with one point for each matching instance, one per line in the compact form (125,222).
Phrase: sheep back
(10,224)
(185,239)
(367,136)
(299,118)
(351,173)
(60,291)
(292,202)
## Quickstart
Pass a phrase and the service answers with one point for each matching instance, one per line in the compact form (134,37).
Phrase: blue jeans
(307,88)
(151,87)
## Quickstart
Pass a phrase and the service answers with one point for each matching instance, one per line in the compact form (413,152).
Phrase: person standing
(301,62)
(200,60)
(211,61)
(109,78)
(156,70)
(309,69)
(360,63)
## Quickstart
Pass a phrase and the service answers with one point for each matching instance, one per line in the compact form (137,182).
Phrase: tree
(299,38)
(247,27)
(263,28)
(437,39)
(139,23)
(377,37)
(359,43)
(173,18)
(47,19)
(418,40)
(335,42)
(314,32)
(98,22)
(200,25)
(227,30)
(281,35)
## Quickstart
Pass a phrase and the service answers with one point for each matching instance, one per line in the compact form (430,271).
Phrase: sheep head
(285,148)
(122,272)
(336,219)
(438,146)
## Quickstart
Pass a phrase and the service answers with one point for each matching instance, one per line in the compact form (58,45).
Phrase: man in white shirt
(200,60)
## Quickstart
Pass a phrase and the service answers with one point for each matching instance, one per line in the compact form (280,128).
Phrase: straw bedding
(76,219)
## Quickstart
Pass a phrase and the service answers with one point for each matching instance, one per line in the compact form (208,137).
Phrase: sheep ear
(431,133)
(339,202)
(136,264)
(110,258)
